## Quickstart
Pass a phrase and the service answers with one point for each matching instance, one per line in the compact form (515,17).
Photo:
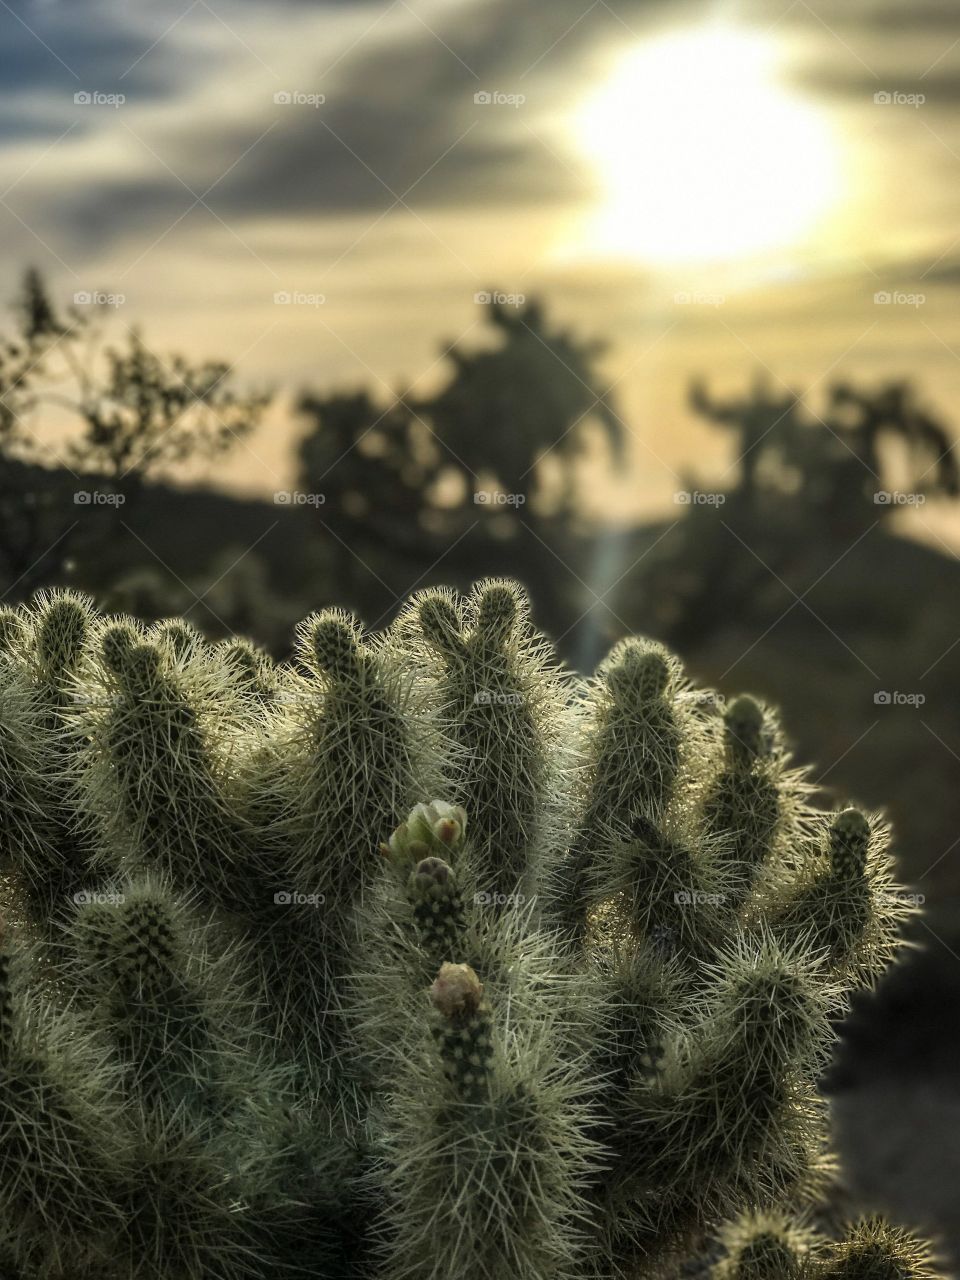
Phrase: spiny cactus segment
(416,957)
(464,1030)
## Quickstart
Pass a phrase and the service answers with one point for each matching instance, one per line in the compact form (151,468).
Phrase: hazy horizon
(711,188)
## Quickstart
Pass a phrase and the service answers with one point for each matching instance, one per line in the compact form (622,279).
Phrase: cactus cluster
(417,957)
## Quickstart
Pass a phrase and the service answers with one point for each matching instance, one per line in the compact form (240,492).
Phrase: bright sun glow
(702,155)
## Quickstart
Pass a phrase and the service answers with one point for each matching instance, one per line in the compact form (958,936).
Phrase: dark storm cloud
(865,48)
(897,19)
(938,88)
(855,17)
(398,114)
(916,274)
(56,49)
(404,116)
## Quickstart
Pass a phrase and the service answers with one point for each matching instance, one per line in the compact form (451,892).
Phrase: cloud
(55,49)
(399,113)
(940,88)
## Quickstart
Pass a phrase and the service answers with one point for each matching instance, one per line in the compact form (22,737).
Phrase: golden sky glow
(701,153)
(709,197)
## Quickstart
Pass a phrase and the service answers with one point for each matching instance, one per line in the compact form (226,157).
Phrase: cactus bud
(11,629)
(433,870)
(849,840)
(744,730)
(463,1030)
(440,624)
(62,630)
(437,906)
(456,991)
(335,644)
(433,827)
(497,611)
(641,676)
(116,644)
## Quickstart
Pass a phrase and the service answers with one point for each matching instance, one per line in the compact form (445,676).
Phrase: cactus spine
(417,957)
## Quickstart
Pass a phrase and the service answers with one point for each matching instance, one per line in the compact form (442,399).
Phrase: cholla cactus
(843,899)
(873,1250)
(41,652)
(769,1246)
(178,1015)
(746,800)
(253,669)
(155,731)
(60,1148)
(336,764)
(503,712)
(492,1116)
(420,957)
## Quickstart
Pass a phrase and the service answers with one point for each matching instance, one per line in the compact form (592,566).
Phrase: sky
(319,191)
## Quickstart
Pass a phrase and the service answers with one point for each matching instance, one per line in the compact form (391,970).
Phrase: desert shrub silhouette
(418,958)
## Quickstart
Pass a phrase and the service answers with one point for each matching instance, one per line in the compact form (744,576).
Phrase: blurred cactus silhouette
(500,413)
(760,422)
(137,413)
(810,486)
(838,460)
(484,467)
(892,411)
(417,958)
(378,470)
(505,410)
(478,475)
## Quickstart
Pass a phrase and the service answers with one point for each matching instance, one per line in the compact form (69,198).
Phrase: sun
(702,154)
